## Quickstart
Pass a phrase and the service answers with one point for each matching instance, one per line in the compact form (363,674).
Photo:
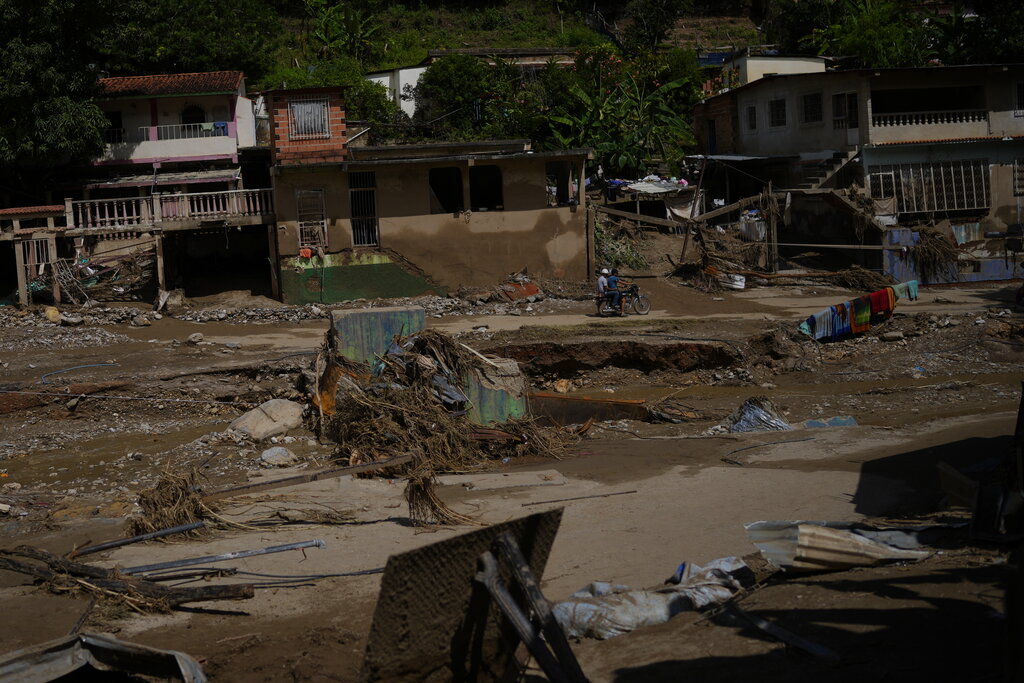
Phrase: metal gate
(363,198)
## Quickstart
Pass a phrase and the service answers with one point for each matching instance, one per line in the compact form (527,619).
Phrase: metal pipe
(159,533)
(220,558)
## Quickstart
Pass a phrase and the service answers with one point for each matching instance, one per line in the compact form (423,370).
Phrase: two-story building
(402,220)
(940,145)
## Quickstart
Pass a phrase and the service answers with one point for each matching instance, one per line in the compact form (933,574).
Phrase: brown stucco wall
(467,249)
(722,110)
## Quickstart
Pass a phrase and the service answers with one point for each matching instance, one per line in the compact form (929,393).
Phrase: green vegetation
(629,95)
(616,248)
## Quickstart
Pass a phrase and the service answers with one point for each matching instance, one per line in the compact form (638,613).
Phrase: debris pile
(414,400)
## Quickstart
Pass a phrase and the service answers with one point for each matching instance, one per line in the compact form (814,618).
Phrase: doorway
(217,261)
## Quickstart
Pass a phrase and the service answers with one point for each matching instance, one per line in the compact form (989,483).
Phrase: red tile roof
(171,84)
(29,211)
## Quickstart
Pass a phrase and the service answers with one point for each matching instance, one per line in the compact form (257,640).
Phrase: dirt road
(947,391)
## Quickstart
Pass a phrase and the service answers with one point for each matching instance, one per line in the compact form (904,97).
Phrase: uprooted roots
(175,499)
(401,413)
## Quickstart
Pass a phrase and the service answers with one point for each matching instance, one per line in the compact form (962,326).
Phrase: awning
(219,175)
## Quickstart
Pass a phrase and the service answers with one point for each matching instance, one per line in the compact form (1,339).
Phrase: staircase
(815,174)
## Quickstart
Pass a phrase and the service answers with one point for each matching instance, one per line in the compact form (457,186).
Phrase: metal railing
(928,118)
(142,212)
(185,131)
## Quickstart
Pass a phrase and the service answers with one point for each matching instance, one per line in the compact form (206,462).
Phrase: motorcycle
(631,299)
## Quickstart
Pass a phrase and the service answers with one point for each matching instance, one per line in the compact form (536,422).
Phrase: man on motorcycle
(616,285)
(605,291)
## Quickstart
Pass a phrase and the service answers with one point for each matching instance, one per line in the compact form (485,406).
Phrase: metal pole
(220,558)
(159,533)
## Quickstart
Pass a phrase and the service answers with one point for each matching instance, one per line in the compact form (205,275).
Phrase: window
(752,118)
(1018,178)
(844,111)
(114,132)
(308,118)
(561,183)
(812,108)
(362,193)
(485,191)
(929,187)
(445,190)
(312,219)
(777,113)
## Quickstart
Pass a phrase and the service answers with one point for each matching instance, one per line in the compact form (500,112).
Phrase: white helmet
(604,271)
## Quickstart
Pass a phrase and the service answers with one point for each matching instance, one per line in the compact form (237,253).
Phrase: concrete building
(409,219)
(937,145)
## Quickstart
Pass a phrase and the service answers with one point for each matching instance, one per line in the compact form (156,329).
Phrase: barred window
(777,113)
(1018,178)
(752,118)
(812,108)
(924,188)
(312,218)
(308,118)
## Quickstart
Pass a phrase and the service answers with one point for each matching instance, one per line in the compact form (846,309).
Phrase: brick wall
(287,151)
(721,110)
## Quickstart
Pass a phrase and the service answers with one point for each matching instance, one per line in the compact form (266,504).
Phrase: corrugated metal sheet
(365,334)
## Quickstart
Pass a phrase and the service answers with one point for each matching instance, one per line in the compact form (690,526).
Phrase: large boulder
(274,417)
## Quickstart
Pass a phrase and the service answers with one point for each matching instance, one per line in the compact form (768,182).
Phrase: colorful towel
(912,290)
(906,290)
(841,321)
(882,303)
(819,325)
(860,321)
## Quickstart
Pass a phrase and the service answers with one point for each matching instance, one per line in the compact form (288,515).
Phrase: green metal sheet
(366,333)
(496,394)
(343,277)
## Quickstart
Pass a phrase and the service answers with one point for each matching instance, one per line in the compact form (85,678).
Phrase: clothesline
(857,316)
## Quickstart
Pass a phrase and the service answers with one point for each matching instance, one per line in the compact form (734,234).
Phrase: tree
(452,93)
(342,30)
(176,36)
(875,33)
(48,81)
(650,22)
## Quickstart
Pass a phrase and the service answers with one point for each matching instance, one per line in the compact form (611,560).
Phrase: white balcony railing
(136,212)
(929,118)
(188,131)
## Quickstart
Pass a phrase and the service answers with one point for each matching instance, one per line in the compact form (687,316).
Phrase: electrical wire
(77,367)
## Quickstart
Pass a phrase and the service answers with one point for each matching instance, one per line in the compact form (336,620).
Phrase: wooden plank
(307,478)
(663,222)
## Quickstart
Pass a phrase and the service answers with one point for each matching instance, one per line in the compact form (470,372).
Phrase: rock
(73,403)
(278,456)
(195,337)
(563,386)
(5,509)
(71,320)
(12,486)
(52,314)
(274,417)
(157,316)
(140,321)
(891,336)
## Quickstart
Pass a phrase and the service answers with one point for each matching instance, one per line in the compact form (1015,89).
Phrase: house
(942,146)
(180,194)
(401,81)
(726,70)
(402,220)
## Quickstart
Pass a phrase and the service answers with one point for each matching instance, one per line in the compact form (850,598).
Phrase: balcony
(171,211)
(198,141)
(927,125)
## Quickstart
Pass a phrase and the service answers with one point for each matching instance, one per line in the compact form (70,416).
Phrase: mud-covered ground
(93,411)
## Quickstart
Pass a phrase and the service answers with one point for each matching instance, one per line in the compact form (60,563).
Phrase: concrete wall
(797,136)
(755,67)
(445,251)
(980,260)
(1006,208)
(245,122)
